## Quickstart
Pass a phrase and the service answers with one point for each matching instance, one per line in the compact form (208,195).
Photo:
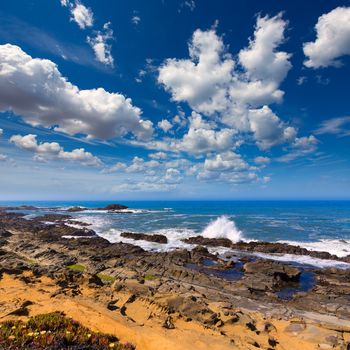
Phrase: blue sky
(187,99)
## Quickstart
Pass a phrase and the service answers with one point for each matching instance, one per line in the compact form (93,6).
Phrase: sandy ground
(142,322)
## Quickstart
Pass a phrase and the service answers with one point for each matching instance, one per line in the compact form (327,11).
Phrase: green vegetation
(30,261)
(105,278)
(76,267)
(150,277)
(55,331)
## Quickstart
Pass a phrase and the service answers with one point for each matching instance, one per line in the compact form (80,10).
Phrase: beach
(173,299)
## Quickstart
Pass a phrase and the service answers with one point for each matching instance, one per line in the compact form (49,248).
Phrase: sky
(170,100)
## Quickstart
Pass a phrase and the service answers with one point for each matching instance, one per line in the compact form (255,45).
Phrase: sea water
(315,225)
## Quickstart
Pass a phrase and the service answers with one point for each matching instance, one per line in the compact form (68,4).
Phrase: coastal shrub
(54,331)
(149,277)
(76,267)
(105,278)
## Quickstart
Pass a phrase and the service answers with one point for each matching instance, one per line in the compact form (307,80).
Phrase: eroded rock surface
(166,281)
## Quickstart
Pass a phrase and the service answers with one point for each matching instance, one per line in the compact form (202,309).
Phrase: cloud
(82,15)
(190,4)
(301,147)
(159,176)
(100,45)
(1,131)
(138,165)
(228,161)
(158,155)
(201,138)
(332,39)
(64,2)
(321,80)
(234,93)
(262,160)
(49,100)
(165,125)
(52,150)
(335,126)
(209,82)
(228,167)
(200,80)
(301,80)
(143,186)
(15,31)
(136,20)
(261,60)
(3,157)
(268,129)
(172,176)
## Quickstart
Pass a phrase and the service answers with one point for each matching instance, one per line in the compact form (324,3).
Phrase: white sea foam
(288,258)
(122,211)
(97,223)
(337,247)
(174,237)
(222,227)
(305,260)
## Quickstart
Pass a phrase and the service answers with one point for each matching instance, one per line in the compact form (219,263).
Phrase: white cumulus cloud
(228,161)
(268,129)
(53,150)
(262,161)
(214,84)
(136,20)
(81,14)
(158,155)
(332,39)
(49,100)
(302,146)
(202,138)
(101,46)
(165,125)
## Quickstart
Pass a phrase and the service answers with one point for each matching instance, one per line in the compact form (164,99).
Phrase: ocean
(316,225)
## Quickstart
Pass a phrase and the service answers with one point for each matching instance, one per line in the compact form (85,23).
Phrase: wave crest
(223,227)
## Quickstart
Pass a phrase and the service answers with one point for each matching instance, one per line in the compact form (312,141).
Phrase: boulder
(4,233)
(114,207)
(278,271)
(75,209)
(144,237)
(209,242)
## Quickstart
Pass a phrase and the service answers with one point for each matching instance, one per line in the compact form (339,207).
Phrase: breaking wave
(223,227)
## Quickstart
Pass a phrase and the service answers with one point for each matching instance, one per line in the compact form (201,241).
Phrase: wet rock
(112,305)
(168,323)
(209,242)
(267,275)
(51,218)
(94,280)
(114,207)
(75,209)
(199,253)
(295,328)
(144,237)
(21,207)
(4,233)
(278,270)
(280,248)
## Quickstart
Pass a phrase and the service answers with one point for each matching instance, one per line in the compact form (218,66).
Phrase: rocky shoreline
(242,300)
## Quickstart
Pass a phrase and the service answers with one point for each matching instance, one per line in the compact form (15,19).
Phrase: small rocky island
(171,300)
